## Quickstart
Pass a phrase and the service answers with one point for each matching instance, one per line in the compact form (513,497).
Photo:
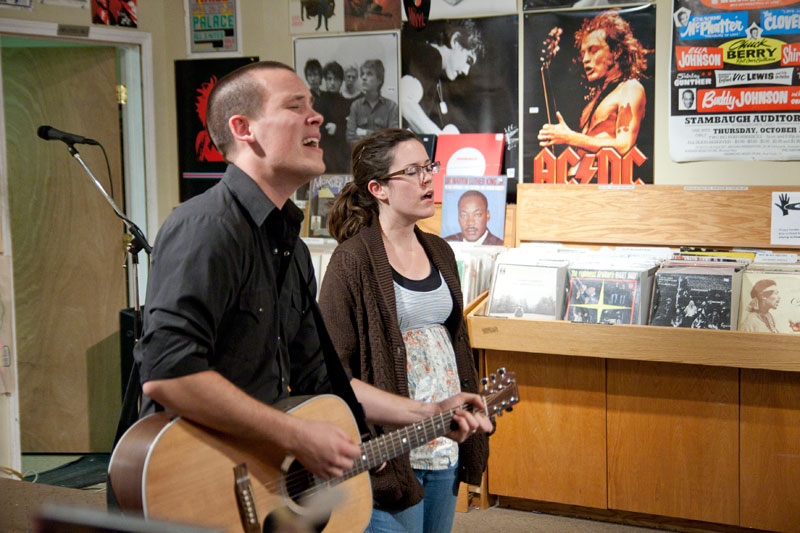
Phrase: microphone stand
(138,242)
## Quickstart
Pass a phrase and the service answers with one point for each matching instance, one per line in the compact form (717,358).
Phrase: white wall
(265,30)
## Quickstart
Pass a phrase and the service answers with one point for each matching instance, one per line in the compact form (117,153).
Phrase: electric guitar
(550,47)
(168,468)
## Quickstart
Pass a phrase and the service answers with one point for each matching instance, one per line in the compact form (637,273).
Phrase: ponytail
(353,210)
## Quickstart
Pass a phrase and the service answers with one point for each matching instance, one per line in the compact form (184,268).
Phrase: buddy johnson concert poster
(734,89)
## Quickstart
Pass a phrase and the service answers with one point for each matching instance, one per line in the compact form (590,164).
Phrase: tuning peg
(509,408)
(501,371)
(493,377)
(484,381)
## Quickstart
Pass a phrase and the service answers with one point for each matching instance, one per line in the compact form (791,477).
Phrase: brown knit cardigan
(358,304)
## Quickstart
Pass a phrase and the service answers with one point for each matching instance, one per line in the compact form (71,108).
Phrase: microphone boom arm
(134,230)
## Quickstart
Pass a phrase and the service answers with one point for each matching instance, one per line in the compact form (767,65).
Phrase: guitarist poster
(588,98)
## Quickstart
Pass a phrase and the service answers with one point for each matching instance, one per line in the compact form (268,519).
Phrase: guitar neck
(379,450)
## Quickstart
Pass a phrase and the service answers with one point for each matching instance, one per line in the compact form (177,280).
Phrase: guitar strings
(301,477)
(376,450)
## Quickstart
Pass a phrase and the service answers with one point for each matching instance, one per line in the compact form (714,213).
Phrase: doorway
(68,247)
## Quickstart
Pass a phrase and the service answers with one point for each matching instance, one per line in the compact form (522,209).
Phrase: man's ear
(240,128)
(488,215)
(454,39)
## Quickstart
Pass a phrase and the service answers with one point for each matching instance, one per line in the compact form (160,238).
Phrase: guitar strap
(340,381)
(600,97)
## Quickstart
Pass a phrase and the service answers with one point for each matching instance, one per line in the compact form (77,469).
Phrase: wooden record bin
(697,425)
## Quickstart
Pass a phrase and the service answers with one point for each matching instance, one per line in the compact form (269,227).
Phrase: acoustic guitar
(168,468)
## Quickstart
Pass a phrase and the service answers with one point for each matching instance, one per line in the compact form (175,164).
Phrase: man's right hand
(324,449)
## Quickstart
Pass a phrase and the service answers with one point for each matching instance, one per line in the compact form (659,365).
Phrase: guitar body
(171,469)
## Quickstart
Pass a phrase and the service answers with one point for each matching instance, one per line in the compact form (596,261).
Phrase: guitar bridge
(245,499)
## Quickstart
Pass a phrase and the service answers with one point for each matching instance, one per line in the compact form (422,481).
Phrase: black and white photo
(354,79)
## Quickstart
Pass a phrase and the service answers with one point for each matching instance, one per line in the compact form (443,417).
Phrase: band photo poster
(354,79)
(588,96)
(199,162)
(461,76)
(213,27)
(734,88)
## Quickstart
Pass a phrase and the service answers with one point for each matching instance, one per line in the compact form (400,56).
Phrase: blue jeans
(434,514)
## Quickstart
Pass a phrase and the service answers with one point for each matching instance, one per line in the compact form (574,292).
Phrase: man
(313,73)
(335,108)
(371,111)
(229,324)
(473,214)
(681,17)
(687,99)
(351,88)
(613,62)
(448,55)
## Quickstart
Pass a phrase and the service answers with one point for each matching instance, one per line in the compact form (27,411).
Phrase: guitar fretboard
(379,450)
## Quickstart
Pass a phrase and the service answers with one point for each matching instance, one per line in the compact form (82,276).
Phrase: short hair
(312,65)
(474,194)
(237,93)
(376,66)
(333,68)
(467,34)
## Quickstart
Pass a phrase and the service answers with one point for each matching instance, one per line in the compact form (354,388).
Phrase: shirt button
(260,309)
(286,253)
(274,251)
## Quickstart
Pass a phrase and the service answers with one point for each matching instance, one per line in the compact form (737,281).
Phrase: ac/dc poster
(461,76)
(734,87)
(588,97)
(199,162)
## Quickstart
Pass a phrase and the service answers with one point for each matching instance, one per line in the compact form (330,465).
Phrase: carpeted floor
(85,471)
(514,521)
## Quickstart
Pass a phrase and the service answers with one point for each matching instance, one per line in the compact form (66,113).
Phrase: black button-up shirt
(225,293)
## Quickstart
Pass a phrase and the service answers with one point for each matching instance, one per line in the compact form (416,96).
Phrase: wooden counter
(676,423)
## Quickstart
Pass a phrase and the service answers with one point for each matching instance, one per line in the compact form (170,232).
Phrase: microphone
(49,133)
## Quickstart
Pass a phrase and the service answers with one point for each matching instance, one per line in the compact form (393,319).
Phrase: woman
(764,299)
(392,303)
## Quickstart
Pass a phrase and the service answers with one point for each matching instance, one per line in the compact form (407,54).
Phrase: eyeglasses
(415,171)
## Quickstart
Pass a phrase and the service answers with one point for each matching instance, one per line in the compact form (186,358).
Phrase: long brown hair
(355,207)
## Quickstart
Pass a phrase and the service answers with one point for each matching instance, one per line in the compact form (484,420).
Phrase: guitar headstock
(550,46)
(500,392)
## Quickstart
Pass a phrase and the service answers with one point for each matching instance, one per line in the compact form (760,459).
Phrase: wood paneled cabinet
(688,424)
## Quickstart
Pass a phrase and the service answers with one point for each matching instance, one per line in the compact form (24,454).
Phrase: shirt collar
(252,198)
(479,241)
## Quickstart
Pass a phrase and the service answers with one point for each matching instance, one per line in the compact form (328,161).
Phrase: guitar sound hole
(300,515)
(299,482)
